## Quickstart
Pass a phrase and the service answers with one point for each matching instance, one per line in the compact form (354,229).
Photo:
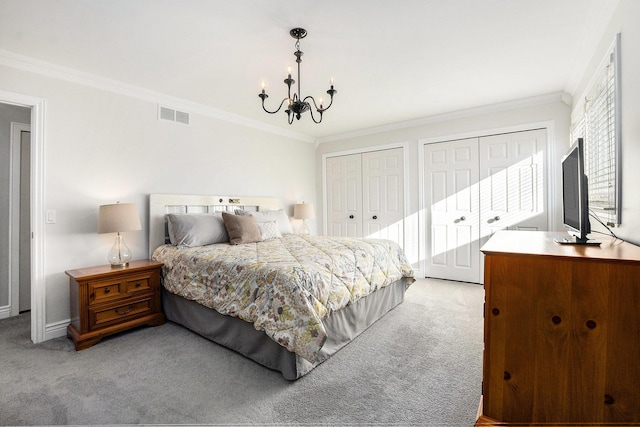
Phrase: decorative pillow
(241,228)
(279,216)
(269,230)
(196,229)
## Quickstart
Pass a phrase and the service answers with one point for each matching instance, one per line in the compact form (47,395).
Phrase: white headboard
(162,204)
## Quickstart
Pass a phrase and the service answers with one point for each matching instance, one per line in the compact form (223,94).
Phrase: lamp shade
(118,217)
(303,211)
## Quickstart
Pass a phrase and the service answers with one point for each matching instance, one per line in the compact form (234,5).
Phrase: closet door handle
(462,218)
(375,217)
(350,216)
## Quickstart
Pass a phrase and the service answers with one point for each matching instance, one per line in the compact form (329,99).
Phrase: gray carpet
(420,365)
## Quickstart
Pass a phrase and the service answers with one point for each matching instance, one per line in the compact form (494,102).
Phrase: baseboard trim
(5,311)
(56,330)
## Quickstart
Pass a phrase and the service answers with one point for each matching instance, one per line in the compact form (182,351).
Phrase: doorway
(35,108)
(20,216)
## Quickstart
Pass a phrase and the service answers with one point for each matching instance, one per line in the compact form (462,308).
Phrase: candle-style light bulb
(331,82)
(263,86)
(289,71)
(321,103)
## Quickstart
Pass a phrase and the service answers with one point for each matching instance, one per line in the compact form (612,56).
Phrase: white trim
(14,216)
(422,213)
(487,132)
(454,115)
(5,311)
(56,329)
(48,69)
(38,288)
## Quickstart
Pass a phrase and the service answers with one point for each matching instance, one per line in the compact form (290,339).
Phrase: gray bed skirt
(342,327)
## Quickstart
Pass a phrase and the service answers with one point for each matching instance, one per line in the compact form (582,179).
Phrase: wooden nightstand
(106,300)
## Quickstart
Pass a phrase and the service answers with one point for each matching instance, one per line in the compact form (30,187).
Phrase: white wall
(625,21)
(102,147)
(548,110)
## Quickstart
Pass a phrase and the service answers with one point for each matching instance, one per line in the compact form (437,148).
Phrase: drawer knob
(591,324)
(556,320)
(123,311)
(107,290)
(137,284)
(609,400)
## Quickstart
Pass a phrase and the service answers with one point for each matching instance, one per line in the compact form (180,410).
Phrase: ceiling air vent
(166,113)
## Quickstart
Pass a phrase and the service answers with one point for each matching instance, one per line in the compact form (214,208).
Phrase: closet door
(452,197)
(344,195)
(512,177)
(383,195)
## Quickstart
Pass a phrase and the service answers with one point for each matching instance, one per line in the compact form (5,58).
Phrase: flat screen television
(575,198)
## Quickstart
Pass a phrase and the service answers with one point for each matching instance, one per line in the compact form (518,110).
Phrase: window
(599,125)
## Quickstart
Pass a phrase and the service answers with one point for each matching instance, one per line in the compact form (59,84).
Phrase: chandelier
(296,105)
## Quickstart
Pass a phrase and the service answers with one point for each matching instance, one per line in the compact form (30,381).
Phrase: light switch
(50,217)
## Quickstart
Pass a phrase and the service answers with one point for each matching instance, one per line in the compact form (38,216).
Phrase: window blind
(599,126)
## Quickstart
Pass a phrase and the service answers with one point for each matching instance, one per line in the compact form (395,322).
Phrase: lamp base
(119,255)
(124,264)
(304,229)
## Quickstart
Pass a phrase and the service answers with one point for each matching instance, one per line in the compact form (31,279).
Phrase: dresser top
(540,243)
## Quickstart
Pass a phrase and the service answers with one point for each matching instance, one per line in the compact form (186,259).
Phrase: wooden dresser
(106,300)
(561,332)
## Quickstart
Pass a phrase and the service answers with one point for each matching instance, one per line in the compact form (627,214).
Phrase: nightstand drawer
(138,284)
(104,315)
(102,291)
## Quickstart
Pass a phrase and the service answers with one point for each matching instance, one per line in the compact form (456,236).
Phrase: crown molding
(453,115)
(32,65)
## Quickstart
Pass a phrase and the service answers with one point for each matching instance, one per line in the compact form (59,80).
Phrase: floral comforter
(287,286)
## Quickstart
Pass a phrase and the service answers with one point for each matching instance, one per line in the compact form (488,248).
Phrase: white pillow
(269,230)
(279,216)
(196,229)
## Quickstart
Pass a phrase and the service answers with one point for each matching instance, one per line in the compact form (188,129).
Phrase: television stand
(561,328)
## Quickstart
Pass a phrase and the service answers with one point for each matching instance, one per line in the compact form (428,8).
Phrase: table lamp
(114,219)
(303,211)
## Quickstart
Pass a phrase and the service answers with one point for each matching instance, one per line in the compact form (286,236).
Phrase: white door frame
(14,215)
(550,159)
(38,295)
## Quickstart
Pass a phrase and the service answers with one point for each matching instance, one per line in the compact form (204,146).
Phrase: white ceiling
(392,61)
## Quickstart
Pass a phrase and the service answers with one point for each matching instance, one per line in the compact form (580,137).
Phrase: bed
(284,300)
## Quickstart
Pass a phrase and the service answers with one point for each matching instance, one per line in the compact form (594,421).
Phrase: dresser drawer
(107,314)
